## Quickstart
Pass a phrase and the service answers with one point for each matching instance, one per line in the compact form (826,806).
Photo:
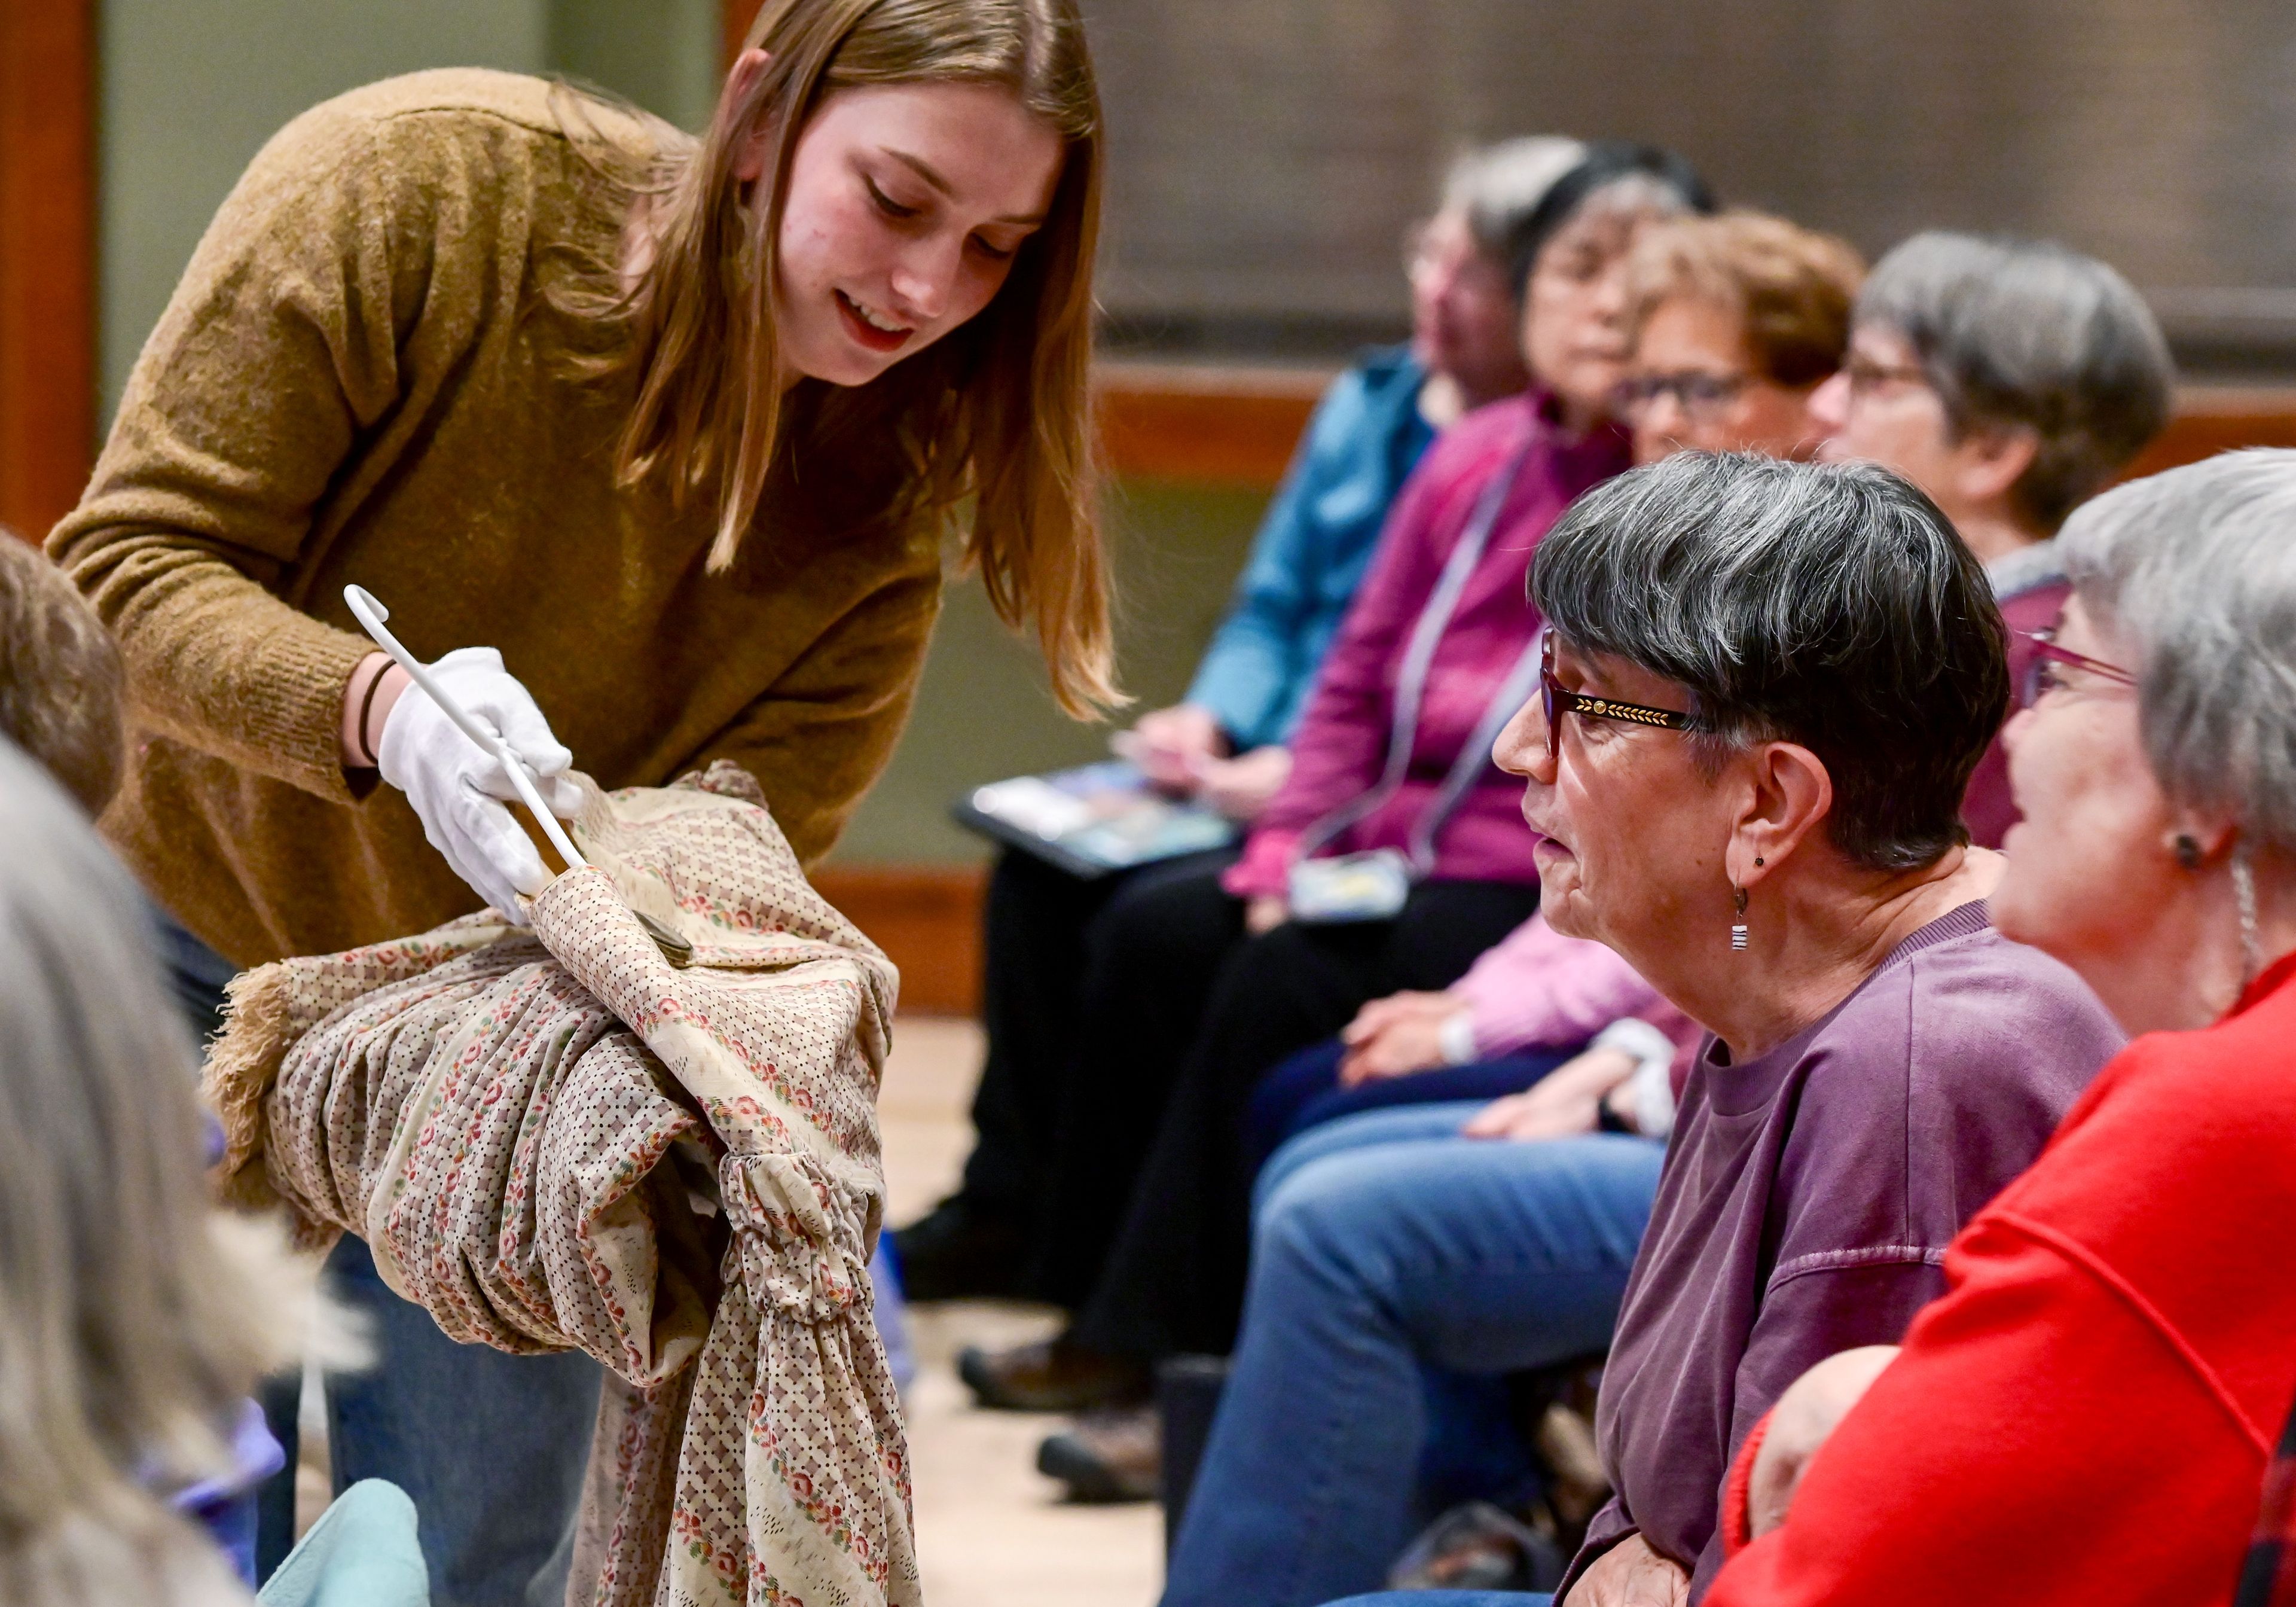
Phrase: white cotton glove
(458,787)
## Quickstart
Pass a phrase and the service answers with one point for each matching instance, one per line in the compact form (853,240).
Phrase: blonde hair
(996,415)
(1790,288)
(60,675)
(133,1319)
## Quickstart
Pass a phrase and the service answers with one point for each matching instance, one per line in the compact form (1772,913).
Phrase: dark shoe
(1051,1375)
(958,1251)
(1479,1547)
(1108,1456)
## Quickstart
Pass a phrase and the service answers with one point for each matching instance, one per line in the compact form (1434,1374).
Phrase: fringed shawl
(555,1139)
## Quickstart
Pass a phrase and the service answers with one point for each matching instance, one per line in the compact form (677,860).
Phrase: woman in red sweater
(2087,1414)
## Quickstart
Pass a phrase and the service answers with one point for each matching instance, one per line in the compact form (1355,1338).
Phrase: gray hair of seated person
(1495,187)
(133,1319)
(1825,604)
(2194,572)
(2026,334)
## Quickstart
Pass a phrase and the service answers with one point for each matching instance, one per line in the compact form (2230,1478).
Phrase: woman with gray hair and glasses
(2010,380)
(2087,1412)
(1767,684)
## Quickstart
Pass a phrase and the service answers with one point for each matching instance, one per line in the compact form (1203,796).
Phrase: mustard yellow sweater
(358,381)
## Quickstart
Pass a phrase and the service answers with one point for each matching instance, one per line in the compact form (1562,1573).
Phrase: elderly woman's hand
(1803,1420)
(1240,788)
(1567,1101)
(1396,1035)
(1630,1574)
(1174,746)
(1265,912)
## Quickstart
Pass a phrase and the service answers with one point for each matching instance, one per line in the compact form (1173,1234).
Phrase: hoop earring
(1738,929)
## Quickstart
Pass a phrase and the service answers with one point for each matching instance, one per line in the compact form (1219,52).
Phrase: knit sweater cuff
(294,717)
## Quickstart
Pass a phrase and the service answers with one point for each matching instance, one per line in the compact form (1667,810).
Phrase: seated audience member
(1735,323)
(60,678)
(1393,761)
(2087,1414)
(134,1321)
(2009,380)
(1225,742)
(60,685)
(1769,684)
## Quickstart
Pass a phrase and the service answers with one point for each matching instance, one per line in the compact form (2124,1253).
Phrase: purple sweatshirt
(1807,1201)
(1341,741)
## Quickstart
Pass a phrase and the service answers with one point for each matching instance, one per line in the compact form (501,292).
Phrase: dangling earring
(2243,893)
(1738,931)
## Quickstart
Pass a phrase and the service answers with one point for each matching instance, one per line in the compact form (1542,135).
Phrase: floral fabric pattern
(557,1139)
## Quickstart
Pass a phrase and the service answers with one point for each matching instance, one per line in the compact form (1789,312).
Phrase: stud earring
(2188,851)
(1738,929)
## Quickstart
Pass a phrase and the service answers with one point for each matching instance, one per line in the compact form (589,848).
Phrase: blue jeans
(491,1446)
(1383,1243)
(1303,1091)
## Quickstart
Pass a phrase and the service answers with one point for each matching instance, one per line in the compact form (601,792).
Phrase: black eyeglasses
(1558,700)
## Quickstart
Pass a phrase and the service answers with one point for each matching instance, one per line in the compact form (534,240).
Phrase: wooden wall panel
(2212,419)
(736,15)
(927,918)
(47,258)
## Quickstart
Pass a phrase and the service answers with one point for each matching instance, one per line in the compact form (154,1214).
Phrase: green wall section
(983,712)
(661,53)
(191,92)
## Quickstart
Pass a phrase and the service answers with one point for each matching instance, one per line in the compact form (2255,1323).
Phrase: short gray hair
(2194,571)
(1828,604)
(1495,187)
(133,1318)
(2026,333)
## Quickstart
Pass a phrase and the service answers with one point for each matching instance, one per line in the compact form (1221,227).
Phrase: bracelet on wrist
(366,756)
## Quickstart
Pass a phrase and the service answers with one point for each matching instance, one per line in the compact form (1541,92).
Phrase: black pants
(1172,1279)
(1061,952)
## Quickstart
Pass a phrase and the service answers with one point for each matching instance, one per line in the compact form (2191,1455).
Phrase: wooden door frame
(47,258)
(734,20)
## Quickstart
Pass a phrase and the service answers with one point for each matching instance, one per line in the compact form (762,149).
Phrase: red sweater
(2085,1415)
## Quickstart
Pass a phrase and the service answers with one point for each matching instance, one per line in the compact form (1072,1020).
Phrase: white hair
(1495,187)
(2194,571)
(133,1319)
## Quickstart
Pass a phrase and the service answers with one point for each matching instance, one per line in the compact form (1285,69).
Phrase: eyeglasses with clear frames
(1557,700)
(1867,377)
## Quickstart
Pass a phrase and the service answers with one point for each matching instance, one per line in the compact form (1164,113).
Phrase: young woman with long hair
(658,442)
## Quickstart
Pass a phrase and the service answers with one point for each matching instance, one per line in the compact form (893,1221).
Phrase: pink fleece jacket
(1540,989)
(1341,742)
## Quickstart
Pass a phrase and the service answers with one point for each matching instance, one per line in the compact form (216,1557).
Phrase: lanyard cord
(1411,686)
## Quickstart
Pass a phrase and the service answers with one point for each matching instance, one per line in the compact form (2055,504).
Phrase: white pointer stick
(371,613)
